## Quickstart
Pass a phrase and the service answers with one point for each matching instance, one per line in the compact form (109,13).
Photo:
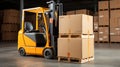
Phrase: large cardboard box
(95,20)
(115,22)
(9,36)
(71,12)
(115,4)
(103,34)
(115,31)
(115,38)
(96,36)
(84,11)
(103,5)
(9,19)
(104,17)
(114,13)
(10,28)
(76,47)
(80,24)
(11,12)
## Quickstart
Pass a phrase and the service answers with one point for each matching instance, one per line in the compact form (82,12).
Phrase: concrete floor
(9,57)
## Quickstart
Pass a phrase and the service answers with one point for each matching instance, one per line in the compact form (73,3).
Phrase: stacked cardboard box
(1,20)
(10,20)
(114,21)
(103,11)
(95,23)
(82,11)
(79,31)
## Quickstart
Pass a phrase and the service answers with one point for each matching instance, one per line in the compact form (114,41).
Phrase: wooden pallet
(114,8)
(69,35)
(115,42)
(70,59)
(103,42)
(103,9)
(103,25)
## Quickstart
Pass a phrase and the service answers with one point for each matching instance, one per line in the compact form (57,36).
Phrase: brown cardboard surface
(103,34)
(87,24)
(83,11)
(115,31)
(103,18)
(115,38)
(103,5)
(115,13)
(115,4)
(79,23)
(10,28)
(95,18)
(63,44)
(9,36)
(88,45)
(70,12)
(76,47)
(96,36)
(115,22)
(95,26)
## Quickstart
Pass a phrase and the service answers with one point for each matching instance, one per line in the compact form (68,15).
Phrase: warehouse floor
(9,57)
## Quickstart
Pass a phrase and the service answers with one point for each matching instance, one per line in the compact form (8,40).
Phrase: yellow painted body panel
(29,42)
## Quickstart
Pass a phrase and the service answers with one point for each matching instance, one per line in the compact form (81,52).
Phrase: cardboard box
(115,38)
(10,28)
(103,5)
(11,12)
(96,36)
(84,11)
(76,47)
(114,13)
(115,22)
(103,34)
(9,19)
(71,12)
(114,31)
(95,26)
(115,4)
(103,18)
(80,24)
(10,36)
(95,20)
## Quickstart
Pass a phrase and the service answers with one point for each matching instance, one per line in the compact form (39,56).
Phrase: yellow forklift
(31,41)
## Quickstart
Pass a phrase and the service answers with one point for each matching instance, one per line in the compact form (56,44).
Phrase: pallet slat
(78,60)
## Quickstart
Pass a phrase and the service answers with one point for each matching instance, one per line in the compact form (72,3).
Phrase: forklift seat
(28,26)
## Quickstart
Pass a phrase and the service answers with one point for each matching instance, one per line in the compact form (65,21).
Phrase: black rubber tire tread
(48,53)
(22,52)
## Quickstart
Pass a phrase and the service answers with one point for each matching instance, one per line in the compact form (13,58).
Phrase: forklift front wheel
(22,52)
(48,53)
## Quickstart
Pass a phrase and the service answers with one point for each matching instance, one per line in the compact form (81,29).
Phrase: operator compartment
(34,31)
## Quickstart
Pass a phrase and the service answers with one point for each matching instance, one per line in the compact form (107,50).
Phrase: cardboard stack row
(109,15)
(76,37)
(103,17)
(81,11)
(114,21)
(10,25)
(95,27)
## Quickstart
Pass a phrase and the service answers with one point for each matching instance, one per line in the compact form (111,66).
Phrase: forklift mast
(56,9)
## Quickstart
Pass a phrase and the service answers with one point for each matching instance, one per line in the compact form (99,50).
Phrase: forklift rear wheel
(22,52)
(48,53)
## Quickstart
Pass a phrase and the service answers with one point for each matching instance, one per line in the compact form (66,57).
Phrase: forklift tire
(22,52)
(48,54)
